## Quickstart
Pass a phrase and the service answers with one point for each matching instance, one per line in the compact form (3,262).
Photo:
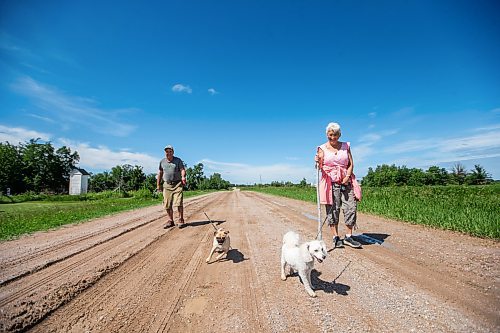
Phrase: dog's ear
(215,233)
(226,232)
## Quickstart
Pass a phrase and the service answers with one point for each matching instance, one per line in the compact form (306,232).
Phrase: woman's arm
(319,158)
(350,168)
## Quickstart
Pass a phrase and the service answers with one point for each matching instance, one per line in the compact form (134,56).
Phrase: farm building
(78,181)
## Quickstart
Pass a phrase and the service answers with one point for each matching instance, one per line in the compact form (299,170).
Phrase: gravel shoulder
(125,273)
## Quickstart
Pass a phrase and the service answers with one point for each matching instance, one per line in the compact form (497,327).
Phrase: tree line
(40,168)
(36,167)
(392,175)
(131,178)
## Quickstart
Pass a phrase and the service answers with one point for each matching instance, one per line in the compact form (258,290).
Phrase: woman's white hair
(334,127)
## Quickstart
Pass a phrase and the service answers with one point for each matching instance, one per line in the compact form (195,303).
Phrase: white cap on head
(168,147)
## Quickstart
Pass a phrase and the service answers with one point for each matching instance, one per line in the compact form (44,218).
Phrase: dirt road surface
(125,273)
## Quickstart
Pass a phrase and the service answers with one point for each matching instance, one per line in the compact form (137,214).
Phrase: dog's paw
(207,260)
(311,293)
(283,277)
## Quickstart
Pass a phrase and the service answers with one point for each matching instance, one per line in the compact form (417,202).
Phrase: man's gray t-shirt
(171,170)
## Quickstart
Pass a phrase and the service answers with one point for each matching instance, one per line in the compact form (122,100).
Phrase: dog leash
(213,225)
(319,236)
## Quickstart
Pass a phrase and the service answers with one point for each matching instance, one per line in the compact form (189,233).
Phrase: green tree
(195,177)
(478,176)
(417,177)
(303,183)
(127,177)
(101,182)
(150,182)
(45,169)
(137,178)
(11,166)
(436,176)
(458,174)
(217,183)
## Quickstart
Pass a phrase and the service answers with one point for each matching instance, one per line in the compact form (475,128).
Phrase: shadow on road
(236,256)
(328,287)
(198,223)
(370,238)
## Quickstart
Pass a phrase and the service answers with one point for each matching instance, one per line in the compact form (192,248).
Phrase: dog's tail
(291,239)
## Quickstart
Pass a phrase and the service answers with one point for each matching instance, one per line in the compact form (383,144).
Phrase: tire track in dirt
(165,285)
(135,290)
(223,295)
(29,299)
(11,269)
(26,260)
(433,285)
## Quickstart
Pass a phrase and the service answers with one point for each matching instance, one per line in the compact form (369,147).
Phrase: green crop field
(474,210)
(49,212)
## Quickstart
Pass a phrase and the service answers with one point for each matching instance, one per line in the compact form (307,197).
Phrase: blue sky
(248,87)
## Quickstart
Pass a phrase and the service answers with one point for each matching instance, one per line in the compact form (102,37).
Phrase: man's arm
(183,176)
(159,177)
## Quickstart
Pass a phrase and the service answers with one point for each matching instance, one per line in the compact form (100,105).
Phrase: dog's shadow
(233,255)
(328,287)
(198,223)
(236,256)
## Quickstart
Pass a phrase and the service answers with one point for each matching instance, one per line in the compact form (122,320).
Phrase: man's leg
(181,214)
(167,204)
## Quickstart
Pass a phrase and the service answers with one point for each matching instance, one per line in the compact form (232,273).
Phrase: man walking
(173,176)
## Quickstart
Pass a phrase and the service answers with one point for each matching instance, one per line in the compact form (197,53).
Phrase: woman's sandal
(181,223)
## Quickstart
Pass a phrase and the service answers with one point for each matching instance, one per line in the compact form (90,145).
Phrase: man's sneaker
(169,224)
(337,242)
(352,242)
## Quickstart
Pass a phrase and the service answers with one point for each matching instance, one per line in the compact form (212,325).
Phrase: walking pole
(320,225)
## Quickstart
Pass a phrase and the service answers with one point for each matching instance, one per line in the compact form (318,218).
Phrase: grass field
(474,210)
(53,211)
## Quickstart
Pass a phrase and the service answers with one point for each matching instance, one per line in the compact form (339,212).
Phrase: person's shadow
(328,287)
(370,238)
(198,223)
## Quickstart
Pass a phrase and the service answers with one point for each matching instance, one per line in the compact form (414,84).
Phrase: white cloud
(103,158)
(46,119)
(487,128)
(370,138)
(239,173)
(372,114)
(483,144)
(15,135)
(479,142)
(91,157)
(182,88)
(75,110)
(212,91)
(404,112)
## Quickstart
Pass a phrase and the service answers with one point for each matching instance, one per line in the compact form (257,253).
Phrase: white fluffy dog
(300,258)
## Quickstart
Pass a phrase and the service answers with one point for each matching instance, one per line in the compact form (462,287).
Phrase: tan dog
(220,244)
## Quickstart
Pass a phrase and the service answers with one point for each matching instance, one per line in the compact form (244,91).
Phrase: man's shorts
(172,195)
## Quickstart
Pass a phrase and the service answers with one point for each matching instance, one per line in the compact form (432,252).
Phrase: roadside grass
(52,211)
(474,210)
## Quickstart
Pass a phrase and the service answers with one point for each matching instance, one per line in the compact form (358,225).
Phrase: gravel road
(125,273)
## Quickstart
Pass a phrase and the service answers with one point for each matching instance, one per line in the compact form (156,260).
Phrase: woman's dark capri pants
(343,196)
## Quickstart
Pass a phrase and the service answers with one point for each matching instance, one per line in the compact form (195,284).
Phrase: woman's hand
(317,159)
(346,179)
